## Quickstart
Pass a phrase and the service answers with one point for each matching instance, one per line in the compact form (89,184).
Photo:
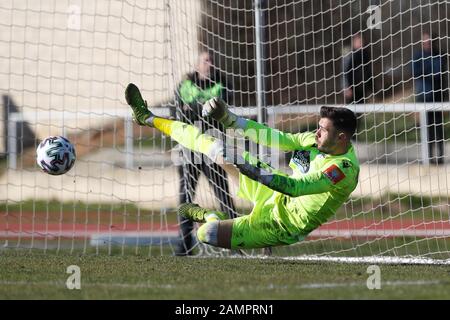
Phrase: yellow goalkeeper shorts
(262,227)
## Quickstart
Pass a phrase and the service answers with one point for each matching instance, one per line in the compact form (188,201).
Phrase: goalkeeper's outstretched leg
(186,135)
(216,230)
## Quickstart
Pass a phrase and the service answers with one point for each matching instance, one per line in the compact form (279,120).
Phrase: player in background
(286,208)
(198,87)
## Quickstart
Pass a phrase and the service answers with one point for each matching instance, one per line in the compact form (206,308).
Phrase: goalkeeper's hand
(218,110)
(265,175)
(255,172)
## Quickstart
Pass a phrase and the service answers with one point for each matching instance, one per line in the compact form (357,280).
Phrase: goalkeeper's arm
(257,132)
(313,183)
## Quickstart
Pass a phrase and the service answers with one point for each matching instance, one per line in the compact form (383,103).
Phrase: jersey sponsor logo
(302,159)
(334,174)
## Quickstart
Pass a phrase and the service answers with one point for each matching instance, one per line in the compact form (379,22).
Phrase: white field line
(369,259)
(326,285)
(317,285)
(348,260)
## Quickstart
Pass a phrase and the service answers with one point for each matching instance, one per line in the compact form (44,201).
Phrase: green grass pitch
(35,275)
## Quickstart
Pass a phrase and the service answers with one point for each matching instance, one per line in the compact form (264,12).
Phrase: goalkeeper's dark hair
(343,119)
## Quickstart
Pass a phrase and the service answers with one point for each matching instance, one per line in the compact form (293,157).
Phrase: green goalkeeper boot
(141,114)
(196,213)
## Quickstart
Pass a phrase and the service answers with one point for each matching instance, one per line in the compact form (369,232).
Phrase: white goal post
(65,65)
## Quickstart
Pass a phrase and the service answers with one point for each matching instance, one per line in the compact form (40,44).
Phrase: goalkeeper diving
(286,208)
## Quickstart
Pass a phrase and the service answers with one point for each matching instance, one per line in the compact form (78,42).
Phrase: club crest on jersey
(334,174)
(302,159)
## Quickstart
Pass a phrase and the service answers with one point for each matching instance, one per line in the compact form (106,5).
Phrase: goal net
(65,66)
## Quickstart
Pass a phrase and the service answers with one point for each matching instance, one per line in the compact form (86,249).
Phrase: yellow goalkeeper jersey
(319,185)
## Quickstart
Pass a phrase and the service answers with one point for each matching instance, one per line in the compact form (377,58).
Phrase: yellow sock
(163,125)
(189,137)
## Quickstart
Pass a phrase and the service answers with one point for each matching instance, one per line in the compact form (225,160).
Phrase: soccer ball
(55,155)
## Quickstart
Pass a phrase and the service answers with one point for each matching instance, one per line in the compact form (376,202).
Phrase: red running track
(333,229)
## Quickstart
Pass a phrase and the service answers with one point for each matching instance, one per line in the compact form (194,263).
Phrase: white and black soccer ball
(55,155)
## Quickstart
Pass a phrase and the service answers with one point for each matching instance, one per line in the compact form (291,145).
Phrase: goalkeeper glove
(266,175)
(259,171)
(218,110)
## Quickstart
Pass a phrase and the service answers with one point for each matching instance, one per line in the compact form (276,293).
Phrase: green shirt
(319,185)
(190,92)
